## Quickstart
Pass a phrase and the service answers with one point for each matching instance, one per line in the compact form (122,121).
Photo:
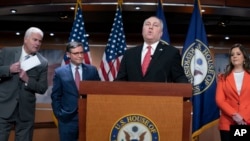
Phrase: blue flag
(78,34)
(199,68)
(160,15)
(114,50)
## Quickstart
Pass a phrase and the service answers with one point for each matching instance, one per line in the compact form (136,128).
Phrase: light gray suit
(13,91)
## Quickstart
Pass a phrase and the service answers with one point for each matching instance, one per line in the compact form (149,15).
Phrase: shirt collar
(73,66)
(24,52)
(154,45)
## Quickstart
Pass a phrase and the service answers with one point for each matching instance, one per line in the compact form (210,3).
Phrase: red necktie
(77,78)
(146,60)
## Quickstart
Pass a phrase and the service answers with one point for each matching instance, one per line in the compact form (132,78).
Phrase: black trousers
(224,135)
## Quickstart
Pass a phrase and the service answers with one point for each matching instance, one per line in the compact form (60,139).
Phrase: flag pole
(78,3)
(120,3)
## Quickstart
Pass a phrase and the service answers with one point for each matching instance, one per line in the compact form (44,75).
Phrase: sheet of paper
(30,63)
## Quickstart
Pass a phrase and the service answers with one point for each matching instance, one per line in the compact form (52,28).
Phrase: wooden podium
(103,104)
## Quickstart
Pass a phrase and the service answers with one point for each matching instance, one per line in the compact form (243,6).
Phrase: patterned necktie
(146,60)
(26,57)
(77,77)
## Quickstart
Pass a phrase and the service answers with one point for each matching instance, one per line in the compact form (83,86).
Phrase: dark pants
(68,131)
(23,129)
(224,135)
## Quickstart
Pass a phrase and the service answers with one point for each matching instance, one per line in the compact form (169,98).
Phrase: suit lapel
(137,59)
(245,83)
(84,72)
(72,84)
(18,54)
(69,69)
(231,82)
(158,52)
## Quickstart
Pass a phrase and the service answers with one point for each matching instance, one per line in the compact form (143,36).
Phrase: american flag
(114,50)
(78,33)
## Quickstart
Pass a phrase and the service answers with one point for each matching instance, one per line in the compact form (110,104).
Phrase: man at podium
(154,61)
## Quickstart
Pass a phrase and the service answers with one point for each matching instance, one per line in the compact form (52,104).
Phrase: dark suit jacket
(13,90)
(165,65)
(64,92)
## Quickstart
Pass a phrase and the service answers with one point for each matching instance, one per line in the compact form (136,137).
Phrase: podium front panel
(105,111)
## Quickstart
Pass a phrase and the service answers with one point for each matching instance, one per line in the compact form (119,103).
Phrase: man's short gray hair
(33,30)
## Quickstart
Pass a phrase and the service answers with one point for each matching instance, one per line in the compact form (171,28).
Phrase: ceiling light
(52,34)
(227,37)
(13,11)
(137,8)
(72,8)
(17,33)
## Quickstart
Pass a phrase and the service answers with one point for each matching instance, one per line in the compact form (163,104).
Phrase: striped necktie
(26,57)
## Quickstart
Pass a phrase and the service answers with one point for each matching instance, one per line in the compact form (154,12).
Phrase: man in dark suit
(65,91)
(164,60)
(18,86)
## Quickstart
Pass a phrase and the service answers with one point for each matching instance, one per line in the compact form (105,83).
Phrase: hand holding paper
(30,63)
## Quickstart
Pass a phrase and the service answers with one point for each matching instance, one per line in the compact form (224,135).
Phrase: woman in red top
(233,91)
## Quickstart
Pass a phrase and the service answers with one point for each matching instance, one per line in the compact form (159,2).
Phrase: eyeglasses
(77,53)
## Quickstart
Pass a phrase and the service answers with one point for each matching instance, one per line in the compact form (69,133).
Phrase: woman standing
(233,91)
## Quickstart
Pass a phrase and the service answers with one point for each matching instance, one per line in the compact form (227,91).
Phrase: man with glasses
(65,90)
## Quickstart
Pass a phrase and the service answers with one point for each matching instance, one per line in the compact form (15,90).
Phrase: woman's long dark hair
(246,64)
